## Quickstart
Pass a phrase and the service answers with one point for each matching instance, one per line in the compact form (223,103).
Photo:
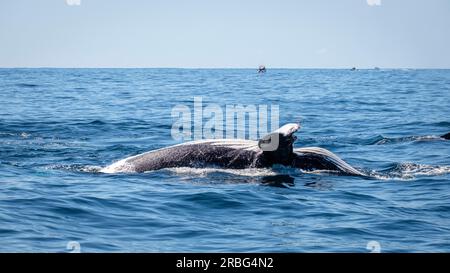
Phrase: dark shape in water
(446,136)
(275,148)
(27,85)
(353,69)
(261,69)
(281,181)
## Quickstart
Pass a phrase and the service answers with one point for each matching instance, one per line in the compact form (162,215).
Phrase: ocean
(59,127)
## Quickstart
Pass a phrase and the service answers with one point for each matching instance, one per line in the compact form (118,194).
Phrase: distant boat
(353,69)
(376,68)
(261,69)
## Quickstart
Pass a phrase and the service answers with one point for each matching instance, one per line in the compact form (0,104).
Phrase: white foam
(251,172)
(78,168)
(90,169)
(409,171)
(119,166)
(421,169)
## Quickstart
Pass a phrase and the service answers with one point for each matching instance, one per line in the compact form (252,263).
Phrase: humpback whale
(274,148)
(446,136)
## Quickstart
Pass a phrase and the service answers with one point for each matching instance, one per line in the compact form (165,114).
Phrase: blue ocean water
(59,126)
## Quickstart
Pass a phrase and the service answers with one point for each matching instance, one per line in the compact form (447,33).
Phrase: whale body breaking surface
(274,148)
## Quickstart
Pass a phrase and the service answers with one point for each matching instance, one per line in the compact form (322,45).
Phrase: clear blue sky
(226,33)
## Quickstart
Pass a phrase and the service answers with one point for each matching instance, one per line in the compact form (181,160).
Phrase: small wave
(380,140)
(326,172)
(27,85)
(97,122)
(24,135)
(75,168)
(20,134)
(444,124)
(408,171)
(7,134)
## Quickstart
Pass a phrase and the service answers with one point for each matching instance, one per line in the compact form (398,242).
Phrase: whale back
(275,148)
(227,153)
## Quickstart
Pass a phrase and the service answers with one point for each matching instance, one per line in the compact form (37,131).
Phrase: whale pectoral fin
(277,146)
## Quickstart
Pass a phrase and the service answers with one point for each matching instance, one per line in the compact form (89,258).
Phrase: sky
(225,34)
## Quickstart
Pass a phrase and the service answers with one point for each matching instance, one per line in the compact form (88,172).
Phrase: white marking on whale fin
(288,129)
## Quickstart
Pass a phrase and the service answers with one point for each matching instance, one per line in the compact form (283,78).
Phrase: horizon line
(187,67)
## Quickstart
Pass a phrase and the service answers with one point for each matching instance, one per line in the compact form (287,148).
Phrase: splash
(409,171)
(393,140)
(400,171)
(75,168)
(119,166)
(250,172)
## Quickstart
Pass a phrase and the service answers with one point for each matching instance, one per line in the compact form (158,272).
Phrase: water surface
(59,126)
